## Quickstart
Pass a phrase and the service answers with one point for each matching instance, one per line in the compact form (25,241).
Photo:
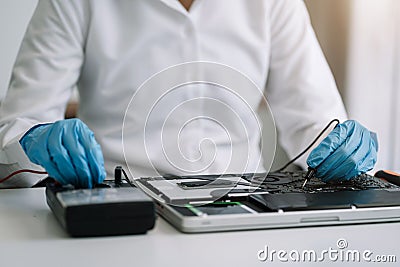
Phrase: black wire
(127,178)
(310,146)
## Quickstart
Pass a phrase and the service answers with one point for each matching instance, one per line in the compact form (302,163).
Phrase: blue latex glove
(348,151)
(67,150)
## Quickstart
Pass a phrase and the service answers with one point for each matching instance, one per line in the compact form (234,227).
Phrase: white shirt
(108,48)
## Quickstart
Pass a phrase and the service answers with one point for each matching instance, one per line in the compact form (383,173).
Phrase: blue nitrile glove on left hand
(67,150)
(348,151)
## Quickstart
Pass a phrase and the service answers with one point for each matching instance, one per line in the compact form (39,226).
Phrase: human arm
(45,72)
(305,98)
(300,89)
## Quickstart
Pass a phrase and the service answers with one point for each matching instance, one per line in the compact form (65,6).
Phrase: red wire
(21,171)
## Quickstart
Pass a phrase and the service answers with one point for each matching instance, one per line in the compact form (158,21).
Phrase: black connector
(118,175)
(118,172)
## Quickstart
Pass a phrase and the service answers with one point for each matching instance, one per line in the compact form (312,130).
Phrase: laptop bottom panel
(243,220)
(228,202)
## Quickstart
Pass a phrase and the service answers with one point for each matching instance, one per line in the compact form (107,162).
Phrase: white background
(14,17)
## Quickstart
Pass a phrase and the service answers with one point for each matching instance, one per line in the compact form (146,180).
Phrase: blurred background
(360,38)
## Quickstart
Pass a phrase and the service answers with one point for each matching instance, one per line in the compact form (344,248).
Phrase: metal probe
(310,174)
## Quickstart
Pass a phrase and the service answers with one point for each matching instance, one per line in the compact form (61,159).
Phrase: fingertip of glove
(310,162)
(101,177)
(315,158)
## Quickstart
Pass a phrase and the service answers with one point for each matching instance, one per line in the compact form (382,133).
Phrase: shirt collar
(175,4)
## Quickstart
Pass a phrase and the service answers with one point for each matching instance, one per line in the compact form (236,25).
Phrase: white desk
(30,236)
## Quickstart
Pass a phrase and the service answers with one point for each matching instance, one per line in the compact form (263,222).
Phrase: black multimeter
(102,211)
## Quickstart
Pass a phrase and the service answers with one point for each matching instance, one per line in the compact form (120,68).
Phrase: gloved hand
(67,150)
(348,151)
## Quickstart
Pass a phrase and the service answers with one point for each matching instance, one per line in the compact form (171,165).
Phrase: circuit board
(286,182)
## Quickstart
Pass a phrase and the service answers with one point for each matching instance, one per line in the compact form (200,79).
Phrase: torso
(129,42)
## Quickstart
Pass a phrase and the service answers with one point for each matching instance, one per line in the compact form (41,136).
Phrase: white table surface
(31,236)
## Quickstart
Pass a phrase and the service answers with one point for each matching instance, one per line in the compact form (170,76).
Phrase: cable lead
(336,121)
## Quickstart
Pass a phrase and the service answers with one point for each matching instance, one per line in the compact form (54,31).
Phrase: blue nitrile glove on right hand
(67,150)
(348,151)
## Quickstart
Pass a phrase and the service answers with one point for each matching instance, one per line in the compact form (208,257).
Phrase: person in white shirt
(108,49)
